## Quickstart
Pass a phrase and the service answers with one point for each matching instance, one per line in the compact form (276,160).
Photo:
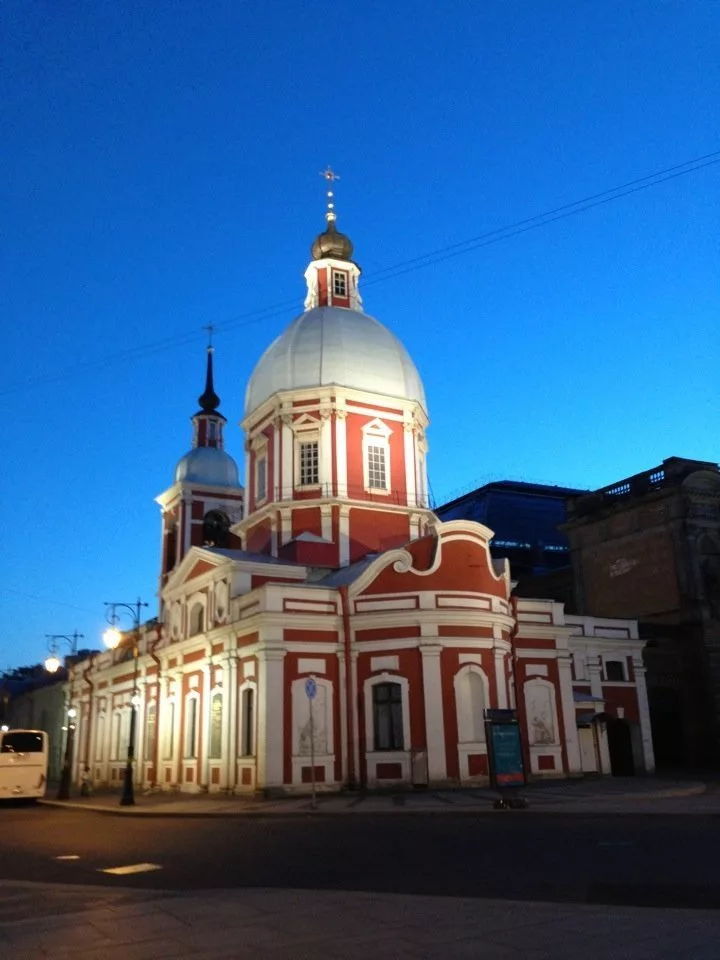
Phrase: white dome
(208,465)
(335,345)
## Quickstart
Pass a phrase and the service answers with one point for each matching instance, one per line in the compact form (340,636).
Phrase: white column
(326,522)
(434,720)
(342,700)
(285,527)
(500,679)
(572,743)
(271,718)
(207,671)
(644,714)
(287,442)
(410,486)
(341,452)
(230,720)
(140,726)
(325,454)
(594,669)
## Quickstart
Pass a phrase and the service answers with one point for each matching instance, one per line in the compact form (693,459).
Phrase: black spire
(209,400)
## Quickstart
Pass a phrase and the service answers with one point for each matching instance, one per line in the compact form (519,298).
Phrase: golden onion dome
(332,243)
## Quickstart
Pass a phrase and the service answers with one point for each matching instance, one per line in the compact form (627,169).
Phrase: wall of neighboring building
(43,709)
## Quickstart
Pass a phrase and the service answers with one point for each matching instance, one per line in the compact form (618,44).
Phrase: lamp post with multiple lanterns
(52,665)
(112,638)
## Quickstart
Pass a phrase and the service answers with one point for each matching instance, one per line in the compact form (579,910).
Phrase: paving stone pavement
(301,924)
(606,795)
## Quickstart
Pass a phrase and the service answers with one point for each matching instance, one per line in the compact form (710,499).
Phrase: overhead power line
(391,272)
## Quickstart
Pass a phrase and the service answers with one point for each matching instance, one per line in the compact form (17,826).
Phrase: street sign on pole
(311,691)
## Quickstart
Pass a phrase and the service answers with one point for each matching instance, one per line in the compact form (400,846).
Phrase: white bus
(23,764)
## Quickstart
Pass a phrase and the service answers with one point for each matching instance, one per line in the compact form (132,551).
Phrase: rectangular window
(387,716)
(247,741)
(615,671)
(216,727)
(191,727)
(377,477)
(339,283)
(309,464)
(261,488)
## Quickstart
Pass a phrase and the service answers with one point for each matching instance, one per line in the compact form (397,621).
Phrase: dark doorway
(667,727)
(619,737)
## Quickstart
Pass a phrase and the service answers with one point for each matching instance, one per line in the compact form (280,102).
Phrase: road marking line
(132,868)
(69,856)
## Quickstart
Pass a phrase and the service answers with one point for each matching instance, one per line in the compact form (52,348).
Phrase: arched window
(216,529)
(197,619)
(247,722)
(376,457)
(470,703)
(388,716)
(170,546)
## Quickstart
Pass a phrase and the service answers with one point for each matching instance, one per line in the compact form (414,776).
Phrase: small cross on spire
(331,177)
(210,331)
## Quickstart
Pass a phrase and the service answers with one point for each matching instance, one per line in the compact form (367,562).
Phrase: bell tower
(206,498)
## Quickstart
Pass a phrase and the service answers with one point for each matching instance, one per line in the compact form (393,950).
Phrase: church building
(329,565)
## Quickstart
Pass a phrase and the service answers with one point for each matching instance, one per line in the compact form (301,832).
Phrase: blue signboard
(506,761)
(310,688)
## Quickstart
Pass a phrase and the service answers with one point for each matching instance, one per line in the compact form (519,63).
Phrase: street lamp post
(52,665)
(112,637)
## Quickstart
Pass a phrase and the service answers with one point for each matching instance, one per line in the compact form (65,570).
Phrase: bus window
(22,741)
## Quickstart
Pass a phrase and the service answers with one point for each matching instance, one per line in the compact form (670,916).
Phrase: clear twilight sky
(159,172)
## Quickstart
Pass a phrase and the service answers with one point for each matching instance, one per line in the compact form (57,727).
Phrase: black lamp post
(112,638)
(52,665)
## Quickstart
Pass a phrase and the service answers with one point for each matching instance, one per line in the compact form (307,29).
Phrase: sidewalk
(331,925)
(617,795)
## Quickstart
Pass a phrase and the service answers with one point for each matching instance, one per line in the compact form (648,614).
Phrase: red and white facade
(340,571)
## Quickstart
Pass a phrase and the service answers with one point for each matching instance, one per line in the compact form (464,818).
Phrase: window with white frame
(261,478)
(470,703)
(388,716)
(192,710)
(376,456)
(615,671)
(247,721)
(340,283)
(309,462)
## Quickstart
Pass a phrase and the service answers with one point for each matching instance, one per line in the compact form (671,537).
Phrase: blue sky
(159,171)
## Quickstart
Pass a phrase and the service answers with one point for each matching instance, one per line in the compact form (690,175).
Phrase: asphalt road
(654,861)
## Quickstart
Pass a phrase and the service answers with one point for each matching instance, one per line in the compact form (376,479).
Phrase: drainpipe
(349,693)
(158,698)
(519,696)
(88,681)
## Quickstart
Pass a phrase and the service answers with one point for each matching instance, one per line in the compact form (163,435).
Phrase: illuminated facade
(338,569)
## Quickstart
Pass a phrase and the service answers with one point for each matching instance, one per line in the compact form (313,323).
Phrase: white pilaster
(326,522)
(500,679)
(288,441)
(644,714)
(274,490)
(230,726)
(594,670)
(271,719)
(205,728)
(344,536)
(325,454)
(285,526)
(341,452)
(434,719)
(572,743)
(410,485)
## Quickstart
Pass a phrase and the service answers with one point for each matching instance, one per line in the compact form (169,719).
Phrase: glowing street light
(52,665)
(112,638)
